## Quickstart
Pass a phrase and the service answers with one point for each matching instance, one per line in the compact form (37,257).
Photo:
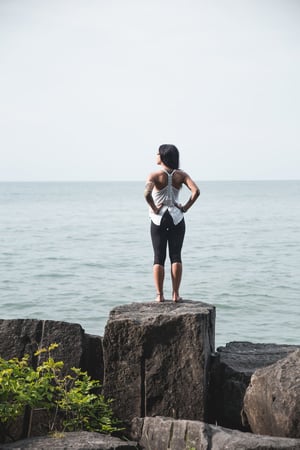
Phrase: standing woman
(166,213)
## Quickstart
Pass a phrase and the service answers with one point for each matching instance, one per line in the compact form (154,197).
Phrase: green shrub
(72,401)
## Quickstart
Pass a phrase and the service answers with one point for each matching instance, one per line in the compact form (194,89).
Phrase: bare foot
(177,298)
(160,298)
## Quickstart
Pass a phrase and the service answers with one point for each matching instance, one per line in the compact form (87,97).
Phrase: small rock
(82,440)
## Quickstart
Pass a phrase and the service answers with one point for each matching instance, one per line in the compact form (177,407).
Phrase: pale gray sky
(90,88)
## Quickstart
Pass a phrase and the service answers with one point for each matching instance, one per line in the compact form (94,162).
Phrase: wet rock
(156,358)
(161,433)
(232,368)
(272,400)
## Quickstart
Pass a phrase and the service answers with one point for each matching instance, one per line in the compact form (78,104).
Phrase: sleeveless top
(167,196)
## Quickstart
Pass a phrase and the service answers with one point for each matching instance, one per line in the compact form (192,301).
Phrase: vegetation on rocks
(72,402)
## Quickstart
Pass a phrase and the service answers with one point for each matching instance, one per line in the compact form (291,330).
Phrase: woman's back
(160,179)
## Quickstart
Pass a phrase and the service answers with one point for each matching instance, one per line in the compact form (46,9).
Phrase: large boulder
(77,441)
(272,400)
(156,358)
(161,433)
(232,368)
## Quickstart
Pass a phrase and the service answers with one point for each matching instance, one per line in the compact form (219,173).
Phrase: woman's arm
(195,192)
(148,195)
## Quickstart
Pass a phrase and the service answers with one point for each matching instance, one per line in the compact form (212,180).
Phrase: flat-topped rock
(246,357)
(142,312)
(156,358)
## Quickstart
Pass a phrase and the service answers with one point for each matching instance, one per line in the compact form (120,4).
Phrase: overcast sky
(90,88)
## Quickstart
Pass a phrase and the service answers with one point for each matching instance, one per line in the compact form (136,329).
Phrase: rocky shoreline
(172,389)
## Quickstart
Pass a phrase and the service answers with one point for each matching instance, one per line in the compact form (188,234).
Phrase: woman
(166,213)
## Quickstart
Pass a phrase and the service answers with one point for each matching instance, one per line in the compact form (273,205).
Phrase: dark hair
(169,155)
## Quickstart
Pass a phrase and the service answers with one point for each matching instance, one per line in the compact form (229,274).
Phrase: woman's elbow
(147,196)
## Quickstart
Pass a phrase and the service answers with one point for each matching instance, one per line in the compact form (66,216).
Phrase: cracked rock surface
(161,433)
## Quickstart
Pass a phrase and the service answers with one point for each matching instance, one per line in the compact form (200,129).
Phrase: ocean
(72,251)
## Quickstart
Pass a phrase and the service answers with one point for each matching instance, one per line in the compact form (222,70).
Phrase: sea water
(73,251)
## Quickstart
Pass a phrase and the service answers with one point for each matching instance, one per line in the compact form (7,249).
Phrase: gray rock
(157,359)
(232,368)
(161,433)
(19,337)
(78,441)
(272,400)
(77,349)
(165,433)
(69,336)
(25,336)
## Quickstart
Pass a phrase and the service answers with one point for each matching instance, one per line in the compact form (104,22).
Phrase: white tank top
(167,196)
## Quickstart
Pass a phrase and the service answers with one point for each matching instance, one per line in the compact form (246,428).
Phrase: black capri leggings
(167,233)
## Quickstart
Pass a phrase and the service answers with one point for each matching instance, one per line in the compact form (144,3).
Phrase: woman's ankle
(160,297)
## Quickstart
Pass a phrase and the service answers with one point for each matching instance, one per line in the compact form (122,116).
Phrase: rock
(25,336)
(82,440)
(19,337)
(69,336)
(272,400)
(226,439)
(232,368)
(161,433)
(156,358)
(77,349)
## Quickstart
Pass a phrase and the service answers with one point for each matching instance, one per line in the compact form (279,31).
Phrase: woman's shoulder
(158,179)
(154,176)
(180,174)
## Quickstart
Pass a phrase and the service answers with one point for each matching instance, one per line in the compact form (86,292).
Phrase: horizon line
(140,181)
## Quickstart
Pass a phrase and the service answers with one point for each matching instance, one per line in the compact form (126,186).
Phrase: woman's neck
(168,169)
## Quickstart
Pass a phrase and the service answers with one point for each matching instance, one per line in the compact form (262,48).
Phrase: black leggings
(167,233)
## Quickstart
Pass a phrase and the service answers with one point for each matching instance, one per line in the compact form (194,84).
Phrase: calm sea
(73,251)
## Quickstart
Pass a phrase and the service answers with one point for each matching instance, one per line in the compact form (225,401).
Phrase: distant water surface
(73,251)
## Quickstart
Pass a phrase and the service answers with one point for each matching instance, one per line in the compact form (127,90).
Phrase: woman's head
(169,155)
